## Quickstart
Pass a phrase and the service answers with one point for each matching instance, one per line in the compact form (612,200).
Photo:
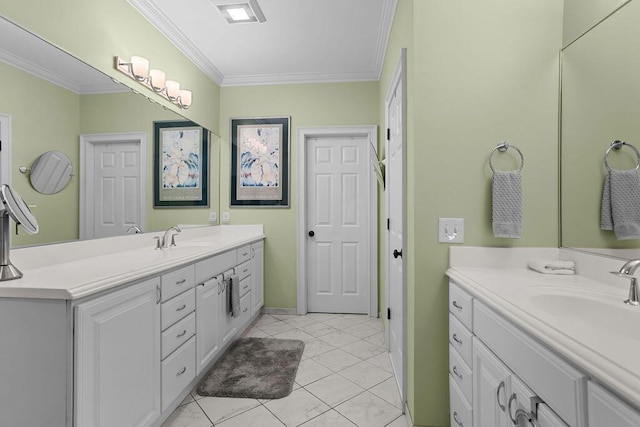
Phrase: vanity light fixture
(242,12)
(156,80)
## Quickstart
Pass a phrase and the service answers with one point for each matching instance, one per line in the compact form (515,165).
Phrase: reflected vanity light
(156,80)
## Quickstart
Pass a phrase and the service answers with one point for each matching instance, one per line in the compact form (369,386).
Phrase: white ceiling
(301,40)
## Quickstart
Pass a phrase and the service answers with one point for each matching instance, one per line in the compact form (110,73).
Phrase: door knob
(397,253)
(311,233)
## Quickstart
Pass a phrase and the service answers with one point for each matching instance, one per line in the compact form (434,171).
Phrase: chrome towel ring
(504,146)
(616,145)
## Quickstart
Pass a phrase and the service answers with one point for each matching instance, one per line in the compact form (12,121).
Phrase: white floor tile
(295,334)
(334,389)
(361,330)
(298,407)
(309,371)
(377,339)
(254,332)
(329,419)
(189,415)
(381,361)
(219,409)
(365,374)
(374,323)
(256,417)
(338,338)
(368,410)
(337,360)
(300,321)
(316,347)
(187,399)
(388,390)
(264,319)
(318,329)
(276,328)
(322,316)
(341,322)
(401,421)
(363,349)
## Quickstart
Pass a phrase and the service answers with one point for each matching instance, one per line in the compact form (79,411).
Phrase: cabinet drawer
(460,304)
(177,308)
(245,285)
(460,339)
(559,384)
(461,373)
(245,308)
(176,335)
(461,413)
(244,253)
(244,269)
(210,267)
(177,281)
(177,372)
(606,410)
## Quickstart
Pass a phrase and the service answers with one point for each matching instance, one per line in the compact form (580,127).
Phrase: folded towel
(507,204)
(620,210)
(235,296)
(552,266)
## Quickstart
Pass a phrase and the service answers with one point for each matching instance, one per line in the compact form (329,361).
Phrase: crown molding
(177,37)
(38,71)
(281,79)
(384,33)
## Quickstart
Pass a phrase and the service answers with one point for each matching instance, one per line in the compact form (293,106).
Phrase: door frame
(5,152)
(399,80)
(304,134)
(87,149)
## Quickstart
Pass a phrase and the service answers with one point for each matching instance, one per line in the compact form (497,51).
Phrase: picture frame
(180,165)
(260,162)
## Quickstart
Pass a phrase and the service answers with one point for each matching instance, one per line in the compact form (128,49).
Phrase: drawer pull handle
(456,305)
(456,339)
(245,310)
(455,418)
(511,399)
(182,307)
(182,372)
(245,253)
(501,386)
(455,371)
(181,334)
(180,282)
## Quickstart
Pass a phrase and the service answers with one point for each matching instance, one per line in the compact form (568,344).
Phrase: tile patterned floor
(344,379)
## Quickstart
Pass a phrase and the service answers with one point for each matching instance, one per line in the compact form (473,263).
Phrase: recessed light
(242,12)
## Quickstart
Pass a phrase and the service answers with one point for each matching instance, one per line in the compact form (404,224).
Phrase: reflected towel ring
(616,145)
(502,147)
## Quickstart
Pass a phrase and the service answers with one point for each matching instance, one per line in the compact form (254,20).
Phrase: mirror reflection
(600,104)
(51,101)
(50,172)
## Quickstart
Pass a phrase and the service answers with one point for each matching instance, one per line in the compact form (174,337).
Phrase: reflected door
(338,206)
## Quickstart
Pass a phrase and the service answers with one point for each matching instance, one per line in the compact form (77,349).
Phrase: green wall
(580,15)
(308,105)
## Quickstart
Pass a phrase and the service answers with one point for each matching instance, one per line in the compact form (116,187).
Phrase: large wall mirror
(600,104)
(50,99)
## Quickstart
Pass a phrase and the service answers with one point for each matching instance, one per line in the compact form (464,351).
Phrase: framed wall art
(180,165)
(260,162)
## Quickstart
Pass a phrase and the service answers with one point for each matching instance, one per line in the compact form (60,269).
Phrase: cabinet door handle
(253,252)
(501,386)
(181,308)
(511,399)
(158,294)
(455,371)
(455,418)
(456,305)
(180,282)
(181,334)
(182,372)
(456,339)
(245,310)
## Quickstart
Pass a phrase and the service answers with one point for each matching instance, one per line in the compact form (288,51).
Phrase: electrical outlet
(225,217)
(213,216)
(451,230)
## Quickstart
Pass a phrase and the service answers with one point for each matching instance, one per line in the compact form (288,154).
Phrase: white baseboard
(276,310)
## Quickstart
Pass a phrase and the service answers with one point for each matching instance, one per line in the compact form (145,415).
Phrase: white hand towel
(546,266)
(620,210)
(507,204)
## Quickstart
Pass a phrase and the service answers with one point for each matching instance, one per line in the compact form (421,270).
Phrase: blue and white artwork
(181,158)
(259,162)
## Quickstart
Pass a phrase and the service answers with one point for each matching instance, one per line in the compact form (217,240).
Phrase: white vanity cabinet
(117,366)
(257,277)
(460,356)
(606,410)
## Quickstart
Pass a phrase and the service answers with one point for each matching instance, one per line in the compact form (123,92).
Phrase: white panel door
(395,211)
(338,206)
(116,183)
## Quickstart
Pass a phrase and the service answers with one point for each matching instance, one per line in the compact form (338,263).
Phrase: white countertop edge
(106,283)
(620,380)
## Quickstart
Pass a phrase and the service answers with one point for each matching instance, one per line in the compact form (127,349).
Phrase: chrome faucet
(165,242)
(627,271)
(135,230)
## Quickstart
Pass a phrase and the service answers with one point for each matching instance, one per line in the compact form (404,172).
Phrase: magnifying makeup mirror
(50,172)
(12,206)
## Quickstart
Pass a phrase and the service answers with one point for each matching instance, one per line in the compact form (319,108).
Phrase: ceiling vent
(242,12)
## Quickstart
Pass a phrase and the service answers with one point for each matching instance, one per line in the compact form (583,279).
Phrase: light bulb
(185,98)
(139,68)
(173,89)
(157,80)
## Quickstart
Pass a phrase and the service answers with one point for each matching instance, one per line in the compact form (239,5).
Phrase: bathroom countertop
(582,319)
(79,269)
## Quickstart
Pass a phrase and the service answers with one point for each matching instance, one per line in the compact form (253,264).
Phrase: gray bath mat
(257,368)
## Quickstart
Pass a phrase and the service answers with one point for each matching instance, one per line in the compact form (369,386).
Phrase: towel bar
(616,145)
(502,147)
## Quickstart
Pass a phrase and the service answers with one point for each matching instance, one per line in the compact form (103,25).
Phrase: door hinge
(388,223)
(388,313)
(388,134)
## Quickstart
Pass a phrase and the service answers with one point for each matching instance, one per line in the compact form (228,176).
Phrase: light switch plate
(451,230)
(225,217)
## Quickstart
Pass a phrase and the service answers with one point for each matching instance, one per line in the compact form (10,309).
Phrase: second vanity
(529,349)
(113,332)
